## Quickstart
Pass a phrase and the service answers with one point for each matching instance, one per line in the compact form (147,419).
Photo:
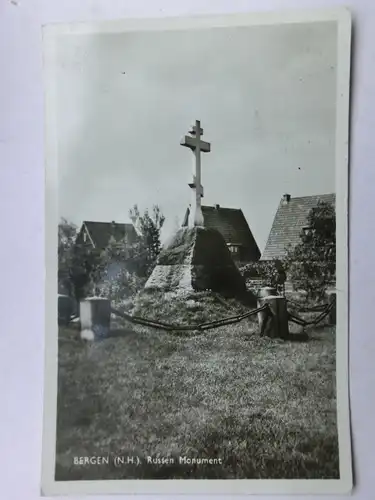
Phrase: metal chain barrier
(300,321)
(201,326)
(325,310)
(318,308)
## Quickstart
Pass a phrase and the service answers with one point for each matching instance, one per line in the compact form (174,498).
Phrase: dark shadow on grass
(297,337)
(121,332)
(316,338)
(293,337)
(320,328)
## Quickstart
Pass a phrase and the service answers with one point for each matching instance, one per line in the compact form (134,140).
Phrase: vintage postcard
(196,255)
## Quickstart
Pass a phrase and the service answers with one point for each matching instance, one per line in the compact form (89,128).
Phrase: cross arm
(194,130)
(191,142)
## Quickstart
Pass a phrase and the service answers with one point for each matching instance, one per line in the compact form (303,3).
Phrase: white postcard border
(217,487)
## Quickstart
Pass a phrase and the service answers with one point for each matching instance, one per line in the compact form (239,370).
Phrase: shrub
(269,272)
(126,267)
(311,265)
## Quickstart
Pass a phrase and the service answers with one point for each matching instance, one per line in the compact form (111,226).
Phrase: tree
(78,265)
(149,228)
(127,265)
(85,271)
(67,233)
(311,265)
(270,272)
(120,276)
(120,269)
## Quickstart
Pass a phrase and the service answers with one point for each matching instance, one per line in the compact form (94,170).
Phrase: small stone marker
(274,325)
(95,316)
(331,296)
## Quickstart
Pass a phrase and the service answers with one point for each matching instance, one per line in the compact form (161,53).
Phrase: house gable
(98,234)
(232,225)
(290,219)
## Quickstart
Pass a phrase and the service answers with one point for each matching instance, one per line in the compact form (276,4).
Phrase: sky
(265,96)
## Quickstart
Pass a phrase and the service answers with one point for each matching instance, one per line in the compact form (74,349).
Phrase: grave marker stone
(95,316)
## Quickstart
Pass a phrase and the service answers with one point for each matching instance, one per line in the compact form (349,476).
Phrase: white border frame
(204,486)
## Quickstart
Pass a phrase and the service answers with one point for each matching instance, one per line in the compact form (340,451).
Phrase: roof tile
(231,223)
(289,220)
(101,232)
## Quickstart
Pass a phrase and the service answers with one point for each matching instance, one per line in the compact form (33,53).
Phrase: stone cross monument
(195,143)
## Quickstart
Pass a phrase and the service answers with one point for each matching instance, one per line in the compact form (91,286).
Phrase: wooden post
(95,316)
(266,291)
(275,323)
(263,316)
(331,296)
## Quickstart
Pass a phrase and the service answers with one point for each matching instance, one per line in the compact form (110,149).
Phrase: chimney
(286,198)
(217,207)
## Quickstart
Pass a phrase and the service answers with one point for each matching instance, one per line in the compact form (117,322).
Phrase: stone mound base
(197,259)
(187,308)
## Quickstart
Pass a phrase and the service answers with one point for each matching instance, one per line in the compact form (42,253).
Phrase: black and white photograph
(196,255)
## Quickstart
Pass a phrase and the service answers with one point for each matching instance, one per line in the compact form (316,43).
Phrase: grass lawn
(266,408)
